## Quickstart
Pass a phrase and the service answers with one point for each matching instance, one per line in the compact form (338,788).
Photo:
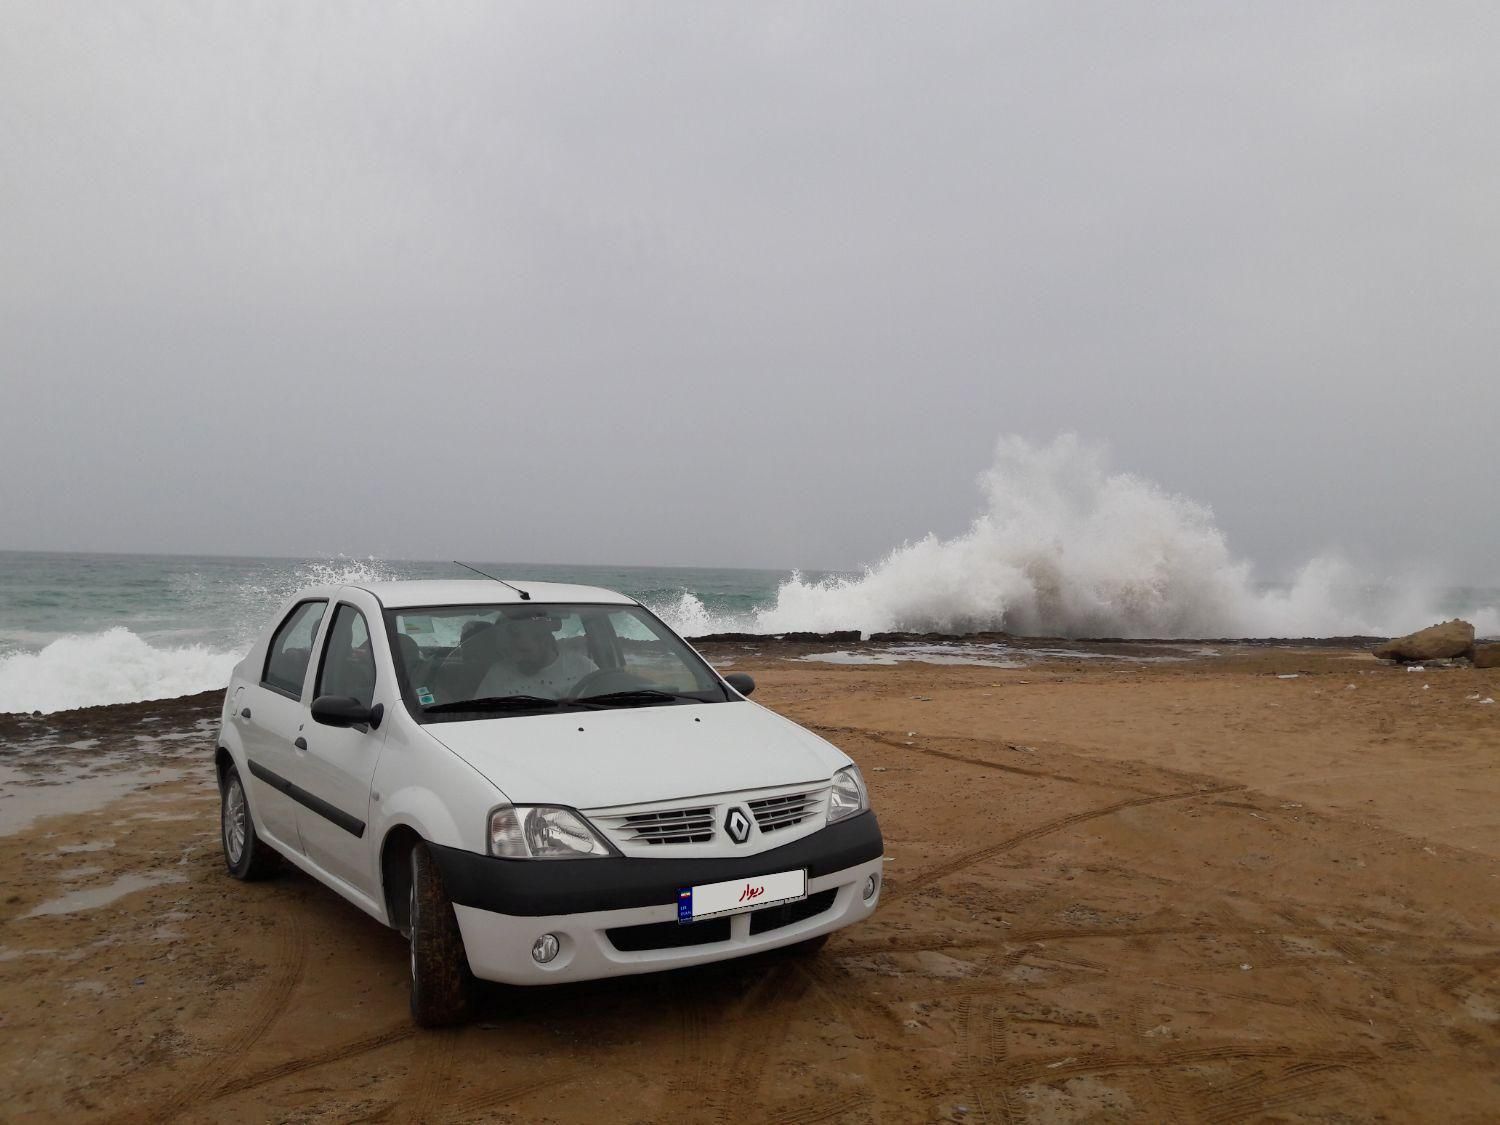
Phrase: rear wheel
(442,988)
(245,856)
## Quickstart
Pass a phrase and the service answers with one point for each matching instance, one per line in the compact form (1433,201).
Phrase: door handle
(244,712)
(301,743)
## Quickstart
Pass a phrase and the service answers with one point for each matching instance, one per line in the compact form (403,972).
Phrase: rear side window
(348,666)
(291,649)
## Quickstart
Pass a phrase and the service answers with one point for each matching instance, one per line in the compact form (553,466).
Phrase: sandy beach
(1261,884)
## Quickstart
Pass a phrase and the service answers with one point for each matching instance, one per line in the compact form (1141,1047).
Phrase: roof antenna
(525,597)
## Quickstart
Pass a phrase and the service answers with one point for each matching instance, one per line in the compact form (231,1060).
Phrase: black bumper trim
(532,888)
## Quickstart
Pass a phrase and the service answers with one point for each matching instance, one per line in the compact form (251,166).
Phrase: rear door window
(290,650)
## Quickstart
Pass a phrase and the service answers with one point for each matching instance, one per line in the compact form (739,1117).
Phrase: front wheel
(442,987)
(246,856)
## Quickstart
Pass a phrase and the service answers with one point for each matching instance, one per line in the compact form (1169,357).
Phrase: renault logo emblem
(737,824)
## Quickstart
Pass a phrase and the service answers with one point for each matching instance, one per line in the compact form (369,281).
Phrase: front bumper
(619,916)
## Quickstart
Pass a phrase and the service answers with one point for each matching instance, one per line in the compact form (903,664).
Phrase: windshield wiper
(493,703)
(634,696)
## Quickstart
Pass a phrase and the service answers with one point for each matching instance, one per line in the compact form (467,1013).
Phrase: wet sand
(1257,886)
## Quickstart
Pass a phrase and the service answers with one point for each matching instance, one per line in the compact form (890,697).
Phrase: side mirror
(345,711)
(741,682)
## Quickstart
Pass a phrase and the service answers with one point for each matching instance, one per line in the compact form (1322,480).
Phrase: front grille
(775,917)
(784,811)
(668,935)
(669,826)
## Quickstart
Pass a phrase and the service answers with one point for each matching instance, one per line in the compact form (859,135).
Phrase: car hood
(624,756)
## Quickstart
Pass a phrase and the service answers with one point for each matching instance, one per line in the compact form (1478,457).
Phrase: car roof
(466,591)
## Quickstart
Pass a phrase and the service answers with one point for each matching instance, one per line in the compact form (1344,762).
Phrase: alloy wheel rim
(235,820)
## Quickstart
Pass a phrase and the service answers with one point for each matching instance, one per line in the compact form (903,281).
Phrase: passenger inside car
(529,661)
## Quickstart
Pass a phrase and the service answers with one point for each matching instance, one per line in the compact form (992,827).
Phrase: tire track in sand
(485,1100)
(428,1072)
(986,1049)
(693,1072)
(1102,1062)
(812,1113)
(924,879)
(288,962)
(846,1005)
(742,1077)
(952,756)
(1254,1100)
(278,1071)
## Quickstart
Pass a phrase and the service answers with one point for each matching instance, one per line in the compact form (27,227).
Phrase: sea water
(84,629)
(1061,546)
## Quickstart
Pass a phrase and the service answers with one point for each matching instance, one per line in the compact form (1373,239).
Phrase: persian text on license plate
(734,896)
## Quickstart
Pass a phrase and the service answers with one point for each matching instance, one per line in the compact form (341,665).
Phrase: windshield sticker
(425,697)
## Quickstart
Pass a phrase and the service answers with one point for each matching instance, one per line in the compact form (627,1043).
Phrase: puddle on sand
(42,777)
(7,954)
(987,655)
(887,658)
(91,846)
(26,796)
(91,898)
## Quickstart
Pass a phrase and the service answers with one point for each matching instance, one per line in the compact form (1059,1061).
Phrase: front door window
(348,667)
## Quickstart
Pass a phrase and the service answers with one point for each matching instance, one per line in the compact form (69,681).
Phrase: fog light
(872,884)
(544,949)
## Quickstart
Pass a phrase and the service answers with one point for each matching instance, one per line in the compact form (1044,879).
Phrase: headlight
(542,832)
(848,796)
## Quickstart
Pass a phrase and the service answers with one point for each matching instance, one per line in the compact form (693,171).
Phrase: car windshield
(465,662)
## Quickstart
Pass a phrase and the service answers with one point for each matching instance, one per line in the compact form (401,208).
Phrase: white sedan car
(534,785)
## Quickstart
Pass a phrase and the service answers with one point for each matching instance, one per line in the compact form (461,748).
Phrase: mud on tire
(245,855)
(442,987)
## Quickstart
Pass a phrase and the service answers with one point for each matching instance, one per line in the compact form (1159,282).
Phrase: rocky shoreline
(1013,640)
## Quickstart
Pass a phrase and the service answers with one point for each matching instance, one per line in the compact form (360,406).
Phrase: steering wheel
(604,680)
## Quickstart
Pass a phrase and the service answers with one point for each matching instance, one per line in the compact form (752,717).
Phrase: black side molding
(350,824)
(536,887)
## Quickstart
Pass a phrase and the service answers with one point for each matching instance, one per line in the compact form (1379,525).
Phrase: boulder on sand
(1437,642)
(1487,656)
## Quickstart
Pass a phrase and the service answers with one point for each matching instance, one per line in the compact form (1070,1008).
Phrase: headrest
(528,642)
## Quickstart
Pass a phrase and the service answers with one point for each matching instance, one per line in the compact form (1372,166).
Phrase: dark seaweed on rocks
(838,636)
(111,721)
(854,636)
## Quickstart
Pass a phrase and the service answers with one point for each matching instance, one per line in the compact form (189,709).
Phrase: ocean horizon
(85,628)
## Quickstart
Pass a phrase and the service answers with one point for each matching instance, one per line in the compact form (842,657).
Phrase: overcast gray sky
(748,285)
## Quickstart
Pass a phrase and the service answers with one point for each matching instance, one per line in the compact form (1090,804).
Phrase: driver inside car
(529,661)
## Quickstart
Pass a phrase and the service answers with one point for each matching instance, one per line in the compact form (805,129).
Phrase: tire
(442,987)
(246,856)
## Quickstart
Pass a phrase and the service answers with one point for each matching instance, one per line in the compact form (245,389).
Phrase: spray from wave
(1066,548)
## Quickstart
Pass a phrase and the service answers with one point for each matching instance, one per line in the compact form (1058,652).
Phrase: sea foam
(115,666)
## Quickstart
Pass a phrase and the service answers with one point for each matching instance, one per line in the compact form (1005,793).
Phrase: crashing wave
(115,666)
(1066,548)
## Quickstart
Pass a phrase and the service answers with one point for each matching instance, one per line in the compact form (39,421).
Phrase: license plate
(735,896)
